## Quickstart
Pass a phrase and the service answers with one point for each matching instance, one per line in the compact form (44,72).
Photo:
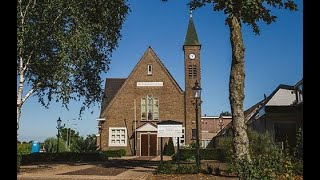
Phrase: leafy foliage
(249,11)
(268,160)
(18,161)
(50,145)
(63,46)
(24,148)
(73,135)
(205,154)
(169,168)
(225,113)
(82,144)
(169,149)
(115,153)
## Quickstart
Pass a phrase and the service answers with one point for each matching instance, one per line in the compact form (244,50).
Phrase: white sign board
(149,83)
(174,130)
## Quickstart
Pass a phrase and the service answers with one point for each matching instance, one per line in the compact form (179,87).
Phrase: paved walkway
(114,168)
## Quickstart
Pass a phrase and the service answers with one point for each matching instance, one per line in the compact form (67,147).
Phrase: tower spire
(191,37)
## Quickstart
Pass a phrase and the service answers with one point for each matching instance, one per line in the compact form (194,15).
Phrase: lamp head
(196,90)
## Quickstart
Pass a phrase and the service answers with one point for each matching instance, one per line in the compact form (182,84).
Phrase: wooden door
(148,144)
(144,144)
(152,145)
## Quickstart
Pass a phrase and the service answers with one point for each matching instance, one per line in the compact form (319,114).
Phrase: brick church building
(133,106)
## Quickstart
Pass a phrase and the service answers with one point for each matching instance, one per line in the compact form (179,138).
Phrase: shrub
(170,148)
(205,154)
(165,168)
(18,161)
(186,169)
(115,153)
(87,144)
(185,155)
(268,161)
(50,144)
(24,148)
(169,168)
(225,144)
(62,157)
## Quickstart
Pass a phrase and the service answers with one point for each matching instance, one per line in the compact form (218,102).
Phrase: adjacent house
(133,106)
(281,114)
(211,126)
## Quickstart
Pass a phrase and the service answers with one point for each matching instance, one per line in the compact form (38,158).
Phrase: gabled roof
(147,127)
(112,86)
(191,37)
(166,70)
(250,112)
(149,50)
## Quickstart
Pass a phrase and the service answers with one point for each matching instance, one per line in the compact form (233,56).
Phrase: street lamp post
(197,97)
(58,127)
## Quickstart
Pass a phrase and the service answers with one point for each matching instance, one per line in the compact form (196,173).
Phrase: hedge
(24,148)
(115,153)
(18,161)
(205,154)
(62,157)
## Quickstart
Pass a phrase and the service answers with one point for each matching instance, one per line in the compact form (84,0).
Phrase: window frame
(154,105)
(149,70)
(125,137)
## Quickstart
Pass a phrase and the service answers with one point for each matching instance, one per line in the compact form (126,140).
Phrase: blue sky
(275,57)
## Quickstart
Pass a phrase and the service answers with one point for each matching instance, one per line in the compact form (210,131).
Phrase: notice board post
(168,128)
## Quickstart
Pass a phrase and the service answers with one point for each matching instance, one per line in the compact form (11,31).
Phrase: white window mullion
(117,136)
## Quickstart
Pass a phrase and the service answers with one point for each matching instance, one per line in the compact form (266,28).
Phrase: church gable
(148,77)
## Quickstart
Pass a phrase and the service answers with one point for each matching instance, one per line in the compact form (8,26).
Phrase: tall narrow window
(150,108)
(143,109)
(149,69)
(156,109)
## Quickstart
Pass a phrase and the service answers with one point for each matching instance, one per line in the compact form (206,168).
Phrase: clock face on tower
(192,56)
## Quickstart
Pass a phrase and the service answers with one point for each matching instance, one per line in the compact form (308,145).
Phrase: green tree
(248,12)
(225,113)
(63,47)
(88,144)
(50,144)
(73,135)
(169,150)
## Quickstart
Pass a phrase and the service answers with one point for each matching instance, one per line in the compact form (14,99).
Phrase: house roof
(191,37)
(253,110)
(111,88)
(166,70)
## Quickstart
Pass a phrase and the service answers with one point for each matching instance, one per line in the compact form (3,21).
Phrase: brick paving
(115,168)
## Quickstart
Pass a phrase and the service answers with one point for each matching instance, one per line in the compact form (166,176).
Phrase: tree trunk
(19,94)
(236,91)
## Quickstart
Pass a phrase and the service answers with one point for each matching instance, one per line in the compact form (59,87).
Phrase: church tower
(191,50)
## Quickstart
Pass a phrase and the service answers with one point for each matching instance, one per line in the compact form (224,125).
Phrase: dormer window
(149,69)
